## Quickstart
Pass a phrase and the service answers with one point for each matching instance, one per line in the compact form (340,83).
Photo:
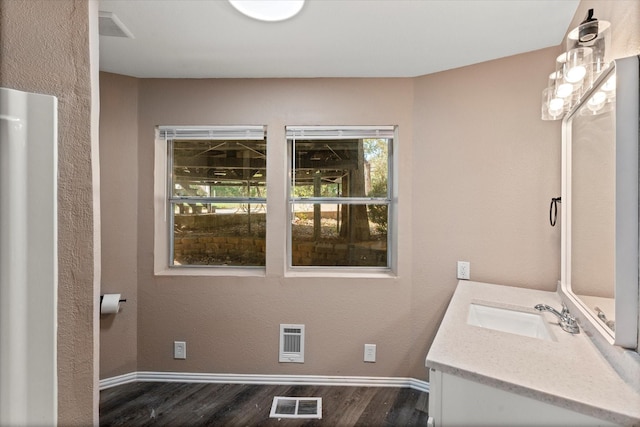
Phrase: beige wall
(478,170)
(489,166)
(119,197)
(231,324)
(45,48)
(476,192)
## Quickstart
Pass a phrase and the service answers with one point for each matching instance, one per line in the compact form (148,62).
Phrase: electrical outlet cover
(464,270)
(369,352)
(179,350)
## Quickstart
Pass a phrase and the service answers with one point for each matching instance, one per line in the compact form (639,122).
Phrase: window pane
(231,234)
(215,168)
(339,235)
(340,168)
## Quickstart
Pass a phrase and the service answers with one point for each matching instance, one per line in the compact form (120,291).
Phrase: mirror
(593,176)
(600,203)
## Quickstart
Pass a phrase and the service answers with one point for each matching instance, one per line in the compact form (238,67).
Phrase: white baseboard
(118,380)
(186,377)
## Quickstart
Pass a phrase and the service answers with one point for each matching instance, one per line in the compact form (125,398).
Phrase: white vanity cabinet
(455,401)
(483,375)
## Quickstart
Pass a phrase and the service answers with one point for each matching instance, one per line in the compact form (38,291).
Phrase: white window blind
(214,170)
(341,132)
(212,132)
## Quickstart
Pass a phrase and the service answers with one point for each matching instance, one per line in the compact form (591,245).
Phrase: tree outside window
(339,196)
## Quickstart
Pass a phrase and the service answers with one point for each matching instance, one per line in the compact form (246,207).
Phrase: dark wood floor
(196,404)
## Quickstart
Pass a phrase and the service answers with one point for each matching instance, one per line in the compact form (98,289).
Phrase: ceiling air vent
(291,343)
(109,25)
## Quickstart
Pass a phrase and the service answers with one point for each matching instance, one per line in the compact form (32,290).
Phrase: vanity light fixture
(268,10)
(577,68)
(588,29)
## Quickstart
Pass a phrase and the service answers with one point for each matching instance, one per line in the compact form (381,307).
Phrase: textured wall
(119,197)
(45,48)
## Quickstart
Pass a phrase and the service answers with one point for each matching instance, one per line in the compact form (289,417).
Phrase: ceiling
(329,38)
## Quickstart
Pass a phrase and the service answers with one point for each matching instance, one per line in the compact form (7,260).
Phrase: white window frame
(162,197)
(345,132)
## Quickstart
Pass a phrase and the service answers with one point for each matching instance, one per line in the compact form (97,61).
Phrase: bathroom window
(216,195)
(340,196)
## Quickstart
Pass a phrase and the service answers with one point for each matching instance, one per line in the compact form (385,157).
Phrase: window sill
(212,272)
(346,273)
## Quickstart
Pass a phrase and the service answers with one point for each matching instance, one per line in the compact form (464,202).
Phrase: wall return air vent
(291,343)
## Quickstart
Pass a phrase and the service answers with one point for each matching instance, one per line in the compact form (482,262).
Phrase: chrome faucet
(566,321)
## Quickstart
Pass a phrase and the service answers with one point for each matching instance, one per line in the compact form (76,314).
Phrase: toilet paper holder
(121,300)
(110,303)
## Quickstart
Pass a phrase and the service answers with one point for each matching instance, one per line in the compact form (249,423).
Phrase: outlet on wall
(464,270)
(369,352)
(179,350)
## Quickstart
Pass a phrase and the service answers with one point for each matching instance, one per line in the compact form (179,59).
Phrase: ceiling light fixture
(268,10)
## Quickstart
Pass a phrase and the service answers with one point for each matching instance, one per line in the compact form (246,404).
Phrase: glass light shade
(556,106)
(600,46)
(576,73)
(553,108)
(597,101)
(561,89)
(268,10)
(561,61)
(577,67)
(610,84)
(564,90)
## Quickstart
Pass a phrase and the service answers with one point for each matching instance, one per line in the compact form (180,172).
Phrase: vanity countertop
(567,371)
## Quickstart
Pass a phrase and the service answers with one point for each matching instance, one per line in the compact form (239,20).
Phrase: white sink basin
(511,321)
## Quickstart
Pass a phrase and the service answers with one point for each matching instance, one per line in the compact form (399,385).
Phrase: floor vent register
(296,407)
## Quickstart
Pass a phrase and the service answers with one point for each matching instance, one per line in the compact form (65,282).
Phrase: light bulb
(564,90)
(575,74)
(596,102)
(610,84)
(555,106)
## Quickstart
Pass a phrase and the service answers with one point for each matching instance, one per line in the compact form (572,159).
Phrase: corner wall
(490,167)
(119,198)
(472,186)
(45,48)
